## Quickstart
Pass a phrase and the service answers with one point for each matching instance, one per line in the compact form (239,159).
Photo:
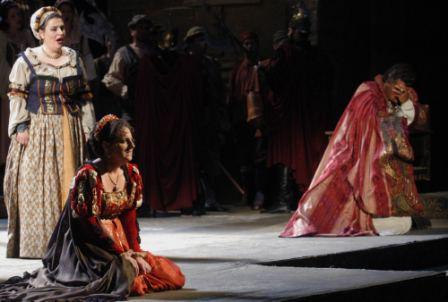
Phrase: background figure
(105,101)
(209,118)
(95,25)
(300,80)
(168,99)
(366,171)
(121,78)
(14,38)
(246,107)
(28,7)
(74,38)
(94,252)
(48,124)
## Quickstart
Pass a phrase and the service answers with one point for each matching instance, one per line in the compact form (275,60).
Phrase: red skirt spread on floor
(84,260)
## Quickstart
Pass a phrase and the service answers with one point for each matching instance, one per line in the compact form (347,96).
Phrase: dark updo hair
(401,71)
(108,133)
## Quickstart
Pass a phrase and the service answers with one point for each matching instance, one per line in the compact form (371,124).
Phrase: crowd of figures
(165,101)
(266,118)
(271,115)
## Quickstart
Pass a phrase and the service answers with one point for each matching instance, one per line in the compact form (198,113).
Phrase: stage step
(402,257)
(432,288)
(429,255)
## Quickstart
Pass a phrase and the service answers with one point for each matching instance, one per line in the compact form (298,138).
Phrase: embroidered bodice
(39,88)
(112,216)
(88,197)
(46,93)
(114,203)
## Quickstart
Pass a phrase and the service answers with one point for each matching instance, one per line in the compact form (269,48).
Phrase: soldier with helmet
(300,79)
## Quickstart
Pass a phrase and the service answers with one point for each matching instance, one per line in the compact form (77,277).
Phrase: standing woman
(14,38)
(51,114)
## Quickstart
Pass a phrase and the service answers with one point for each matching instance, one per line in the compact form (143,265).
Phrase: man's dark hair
(401,71)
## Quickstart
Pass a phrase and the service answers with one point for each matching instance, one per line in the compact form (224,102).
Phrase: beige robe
(37,176)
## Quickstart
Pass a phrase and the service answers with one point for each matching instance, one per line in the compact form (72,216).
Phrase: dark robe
(246,106)
(73,270)
(210,117)
(168,94)
(243,79)
(297,114)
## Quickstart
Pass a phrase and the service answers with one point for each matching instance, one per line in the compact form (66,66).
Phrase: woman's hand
(143,266)
(127,256)
(23,137)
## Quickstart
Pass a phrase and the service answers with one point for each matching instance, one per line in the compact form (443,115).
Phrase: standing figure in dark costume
(246,101)
(209,118)
(121,78)
(301,83)
(168,95)
(94,253)
(105,101)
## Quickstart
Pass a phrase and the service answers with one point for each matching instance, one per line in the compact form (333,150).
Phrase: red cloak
(168,94)
(364,173)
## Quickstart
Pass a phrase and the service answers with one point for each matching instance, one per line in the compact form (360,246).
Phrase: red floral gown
(84,259)
(113,217)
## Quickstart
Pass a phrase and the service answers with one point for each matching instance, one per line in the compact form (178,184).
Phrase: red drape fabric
(360,176)
(168,96)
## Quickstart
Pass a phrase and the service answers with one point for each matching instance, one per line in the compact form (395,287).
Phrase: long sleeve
(18,92)
(129,218)
(88,118)
(88,60)
(407,110)
(87,109)
(114,78)
(130,225)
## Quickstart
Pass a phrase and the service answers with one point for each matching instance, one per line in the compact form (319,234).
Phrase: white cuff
(407,110)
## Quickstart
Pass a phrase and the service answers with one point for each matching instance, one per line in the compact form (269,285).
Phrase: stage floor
(224,257)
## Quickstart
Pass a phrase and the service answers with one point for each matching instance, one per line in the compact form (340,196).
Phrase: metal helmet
(300,18)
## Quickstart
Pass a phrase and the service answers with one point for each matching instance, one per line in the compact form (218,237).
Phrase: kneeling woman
(94,251)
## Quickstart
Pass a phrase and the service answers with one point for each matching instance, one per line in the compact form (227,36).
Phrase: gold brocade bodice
(114,203)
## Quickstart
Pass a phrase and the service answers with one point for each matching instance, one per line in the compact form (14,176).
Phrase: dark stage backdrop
(363,38)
